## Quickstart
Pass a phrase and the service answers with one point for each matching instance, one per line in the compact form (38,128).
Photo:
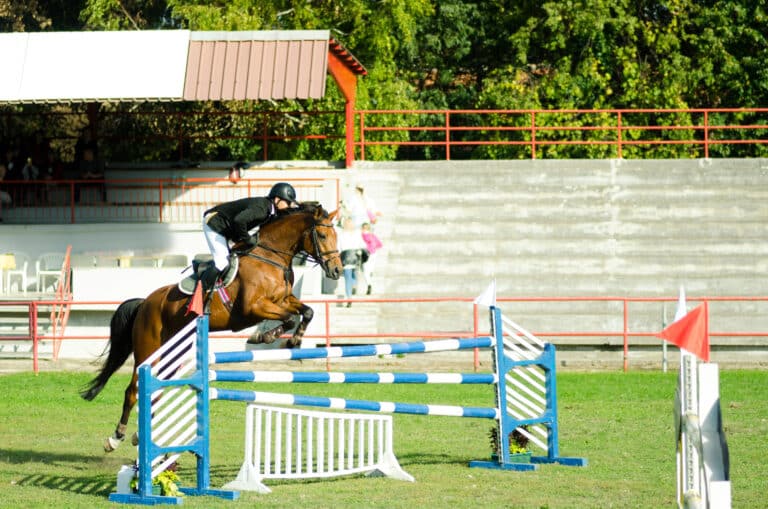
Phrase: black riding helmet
(284,191)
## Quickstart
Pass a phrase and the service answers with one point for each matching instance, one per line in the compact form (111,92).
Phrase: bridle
(322,258)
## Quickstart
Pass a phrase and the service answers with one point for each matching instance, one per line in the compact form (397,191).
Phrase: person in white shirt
(353,254)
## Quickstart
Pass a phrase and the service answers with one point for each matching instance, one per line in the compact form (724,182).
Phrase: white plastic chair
(173,260)
(48,265)
(19,273)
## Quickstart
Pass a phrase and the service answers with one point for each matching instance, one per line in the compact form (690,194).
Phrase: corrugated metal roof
(256,65)
(153,65)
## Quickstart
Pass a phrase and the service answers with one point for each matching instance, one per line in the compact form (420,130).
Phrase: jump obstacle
(174,395)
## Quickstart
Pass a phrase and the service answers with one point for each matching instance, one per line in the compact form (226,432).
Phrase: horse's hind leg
(131,392)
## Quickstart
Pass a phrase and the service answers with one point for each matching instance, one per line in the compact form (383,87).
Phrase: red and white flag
(691,332)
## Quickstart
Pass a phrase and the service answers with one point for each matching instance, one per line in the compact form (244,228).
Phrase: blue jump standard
(200,382)
(200,447)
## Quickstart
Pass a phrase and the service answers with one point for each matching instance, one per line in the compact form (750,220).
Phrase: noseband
(321,257)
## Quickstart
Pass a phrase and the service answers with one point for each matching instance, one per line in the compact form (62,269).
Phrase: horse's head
(319,242)
(308,228)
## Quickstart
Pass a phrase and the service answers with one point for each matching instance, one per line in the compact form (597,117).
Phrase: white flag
(681,310)
(488,297)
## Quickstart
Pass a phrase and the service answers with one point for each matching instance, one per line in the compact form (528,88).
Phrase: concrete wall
(538,228)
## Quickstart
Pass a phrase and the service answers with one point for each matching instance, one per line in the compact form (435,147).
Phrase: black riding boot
(208,278)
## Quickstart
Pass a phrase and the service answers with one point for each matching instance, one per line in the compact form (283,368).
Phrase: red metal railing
(530,132)
(59,314)
(60,311)
(154,200)
(428,134)
(330,335)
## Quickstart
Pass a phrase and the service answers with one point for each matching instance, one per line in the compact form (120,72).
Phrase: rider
(230,221)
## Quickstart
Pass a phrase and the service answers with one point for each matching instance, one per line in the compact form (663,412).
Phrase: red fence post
(327,333)
(33,335)
(626,335)
(706,134)
(362,135)
(475,333)
(447,135)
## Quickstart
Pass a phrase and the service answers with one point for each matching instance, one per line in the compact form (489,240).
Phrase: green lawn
(50,448)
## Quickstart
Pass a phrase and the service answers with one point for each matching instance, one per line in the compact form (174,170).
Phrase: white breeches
(217,245)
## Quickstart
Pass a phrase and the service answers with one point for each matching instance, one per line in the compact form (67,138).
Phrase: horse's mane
(305,207)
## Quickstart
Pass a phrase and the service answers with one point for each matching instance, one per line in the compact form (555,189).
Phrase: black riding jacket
(233,219)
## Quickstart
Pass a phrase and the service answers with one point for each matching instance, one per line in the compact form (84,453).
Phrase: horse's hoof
(135,438)
(111,443)
(256,339)
(293,343)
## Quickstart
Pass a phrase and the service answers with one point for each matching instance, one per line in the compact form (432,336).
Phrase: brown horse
(260,291)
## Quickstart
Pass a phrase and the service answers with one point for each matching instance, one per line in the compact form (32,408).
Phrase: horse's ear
(334,214)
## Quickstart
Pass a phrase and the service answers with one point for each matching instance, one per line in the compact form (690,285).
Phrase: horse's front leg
(284,312)
(129,401)
(306,313)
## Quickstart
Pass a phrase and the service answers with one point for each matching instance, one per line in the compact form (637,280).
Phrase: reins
(317,257)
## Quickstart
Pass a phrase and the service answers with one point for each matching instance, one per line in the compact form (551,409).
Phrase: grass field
(50,446)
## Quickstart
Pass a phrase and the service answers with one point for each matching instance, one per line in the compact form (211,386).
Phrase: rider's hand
(245,244)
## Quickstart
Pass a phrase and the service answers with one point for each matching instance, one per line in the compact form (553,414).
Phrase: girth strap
(287,270)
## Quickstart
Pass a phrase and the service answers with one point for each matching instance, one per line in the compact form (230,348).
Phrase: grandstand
(564,228)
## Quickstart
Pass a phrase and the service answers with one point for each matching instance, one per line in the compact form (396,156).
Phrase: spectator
(363,208)
(13,172)
(30,173)
(39,150)
(5,198)
(53,171)
(353,255)
(85,141)
(372,244)
(91,169)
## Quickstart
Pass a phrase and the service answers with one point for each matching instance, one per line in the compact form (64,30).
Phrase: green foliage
(456,54)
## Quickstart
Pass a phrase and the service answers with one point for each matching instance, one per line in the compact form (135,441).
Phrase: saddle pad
(187,284)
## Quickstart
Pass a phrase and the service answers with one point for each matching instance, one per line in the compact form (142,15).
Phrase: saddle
(202,262)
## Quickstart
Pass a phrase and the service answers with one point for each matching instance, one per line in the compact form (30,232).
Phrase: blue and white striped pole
(443,345)
(272,398)
(351,378)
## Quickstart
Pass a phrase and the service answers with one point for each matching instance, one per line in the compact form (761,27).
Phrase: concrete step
(578,172)
(568,284)
(596,210)
(706,250)
(573,227)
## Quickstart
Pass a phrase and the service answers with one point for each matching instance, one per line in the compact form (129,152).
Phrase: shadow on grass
(101,485)
(97,484)
(45,457)
(433,459)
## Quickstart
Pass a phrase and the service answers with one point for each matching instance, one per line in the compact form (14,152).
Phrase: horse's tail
(120,346)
